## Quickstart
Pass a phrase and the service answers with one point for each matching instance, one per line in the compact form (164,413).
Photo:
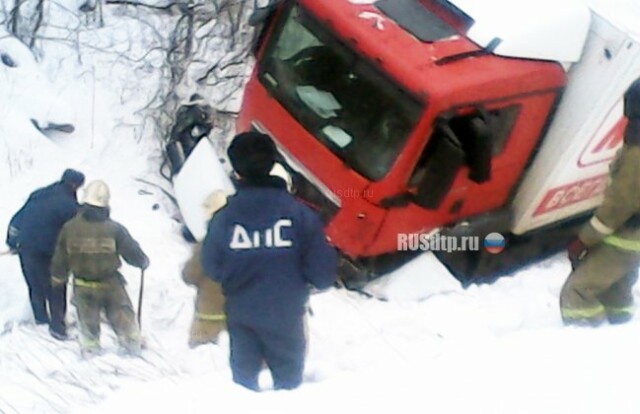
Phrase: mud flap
(201,174)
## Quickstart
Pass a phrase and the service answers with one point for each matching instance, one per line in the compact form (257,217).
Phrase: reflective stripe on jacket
(622,243)
(214,317)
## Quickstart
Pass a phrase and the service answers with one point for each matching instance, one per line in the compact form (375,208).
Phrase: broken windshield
(352,108)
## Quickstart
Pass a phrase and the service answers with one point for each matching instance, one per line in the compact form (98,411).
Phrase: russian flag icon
(494,243)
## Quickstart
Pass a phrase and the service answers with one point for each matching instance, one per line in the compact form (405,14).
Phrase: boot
(617,318)
(59,334)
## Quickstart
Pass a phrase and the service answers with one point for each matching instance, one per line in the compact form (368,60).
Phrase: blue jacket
(266,248)
(37,224)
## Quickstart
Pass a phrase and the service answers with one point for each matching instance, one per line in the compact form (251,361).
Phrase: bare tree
(208,53)
(206,49)
(25,17)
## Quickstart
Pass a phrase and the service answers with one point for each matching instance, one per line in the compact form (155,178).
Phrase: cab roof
(553,30)
(417,63)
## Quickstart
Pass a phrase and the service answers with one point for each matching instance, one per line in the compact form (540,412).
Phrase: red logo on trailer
(604,149)
(572,193)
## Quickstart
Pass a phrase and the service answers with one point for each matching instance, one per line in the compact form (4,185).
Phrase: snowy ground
(496,348)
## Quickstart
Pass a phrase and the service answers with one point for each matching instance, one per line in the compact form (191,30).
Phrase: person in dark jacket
(193,122)
(90,246)
(266,248)
(33,231)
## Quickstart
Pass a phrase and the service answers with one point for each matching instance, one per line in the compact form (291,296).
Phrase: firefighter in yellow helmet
(606,254)
(90,246)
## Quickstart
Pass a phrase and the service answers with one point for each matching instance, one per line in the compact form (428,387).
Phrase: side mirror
(446,160)
(479,151)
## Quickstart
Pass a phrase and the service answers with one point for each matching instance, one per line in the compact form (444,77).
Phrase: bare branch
(137,3)
(38,23)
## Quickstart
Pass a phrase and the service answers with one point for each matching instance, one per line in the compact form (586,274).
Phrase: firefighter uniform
(90,246)
(600,287)
(209,317)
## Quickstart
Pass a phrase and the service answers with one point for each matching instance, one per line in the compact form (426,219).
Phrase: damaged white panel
(544,29)
(421,278)
(200,175)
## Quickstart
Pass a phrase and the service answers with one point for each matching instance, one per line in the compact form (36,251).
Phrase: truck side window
(474,138)
(438,168)
(477,142)
(501,122)
(482,135)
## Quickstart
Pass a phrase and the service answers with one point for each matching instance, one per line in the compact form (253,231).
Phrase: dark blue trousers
(282,349)
(35,268)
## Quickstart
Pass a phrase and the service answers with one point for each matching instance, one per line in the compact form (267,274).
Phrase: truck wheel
(519,251)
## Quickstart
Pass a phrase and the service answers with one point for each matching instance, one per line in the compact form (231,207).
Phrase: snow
(419,279)
(429,346)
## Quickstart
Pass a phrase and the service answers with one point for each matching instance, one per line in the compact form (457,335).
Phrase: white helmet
(97,194)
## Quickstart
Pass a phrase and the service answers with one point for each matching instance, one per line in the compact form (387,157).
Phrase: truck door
(466,166)
(472,159)
(491,143)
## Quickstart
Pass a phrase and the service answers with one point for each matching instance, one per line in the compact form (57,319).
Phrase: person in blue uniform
(33,232)
(266,249)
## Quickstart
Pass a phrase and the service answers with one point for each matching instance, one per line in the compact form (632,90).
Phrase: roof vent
(416,19)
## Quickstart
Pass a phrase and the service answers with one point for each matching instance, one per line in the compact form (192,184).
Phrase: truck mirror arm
(262,14)
(474,53)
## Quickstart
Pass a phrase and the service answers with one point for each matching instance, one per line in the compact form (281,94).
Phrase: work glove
(576,251)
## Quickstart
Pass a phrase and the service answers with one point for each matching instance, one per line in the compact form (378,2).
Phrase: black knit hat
(632,112)
(72,178)
(632,132)
(252,155)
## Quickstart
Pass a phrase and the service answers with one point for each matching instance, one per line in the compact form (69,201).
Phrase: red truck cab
(393,120)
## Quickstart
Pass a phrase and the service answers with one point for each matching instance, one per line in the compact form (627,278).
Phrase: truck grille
(303,188)
(308,193)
